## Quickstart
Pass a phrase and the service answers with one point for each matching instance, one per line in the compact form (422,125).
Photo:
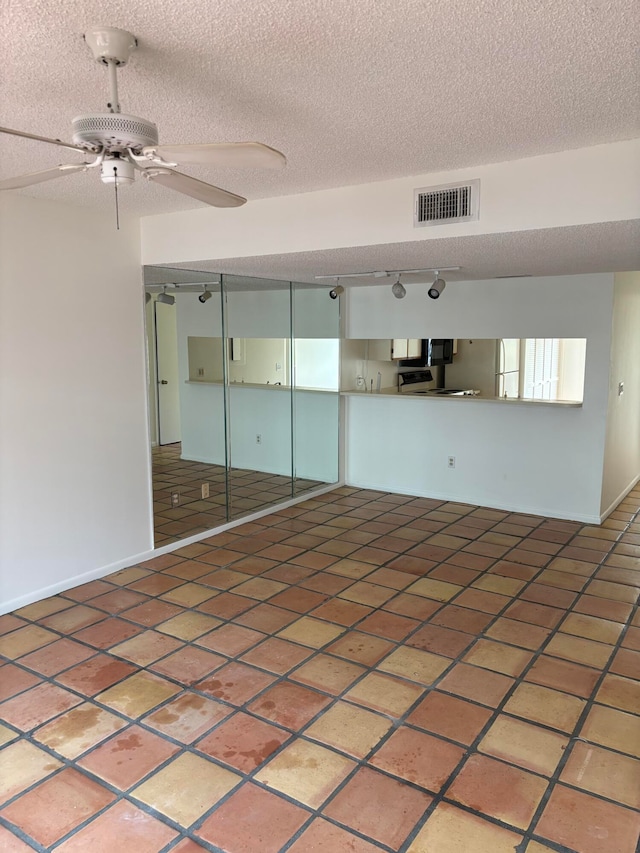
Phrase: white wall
(524,457)
(74,455)
(622,449)
(582,186)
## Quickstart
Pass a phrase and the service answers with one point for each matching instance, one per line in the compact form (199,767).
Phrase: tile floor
(243,490)
(362,672)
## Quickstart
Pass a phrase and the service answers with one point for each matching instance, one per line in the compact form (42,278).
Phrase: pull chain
(115,186)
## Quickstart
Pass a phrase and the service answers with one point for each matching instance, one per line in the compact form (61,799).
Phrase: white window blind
(540,380)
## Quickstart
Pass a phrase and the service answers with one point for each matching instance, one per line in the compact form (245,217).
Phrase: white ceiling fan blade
(231,155)
(187,185)
(42,139)
(40,177)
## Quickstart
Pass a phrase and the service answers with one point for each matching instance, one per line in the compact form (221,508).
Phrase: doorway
(167,373)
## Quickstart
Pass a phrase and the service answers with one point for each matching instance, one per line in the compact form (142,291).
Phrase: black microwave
(434,352)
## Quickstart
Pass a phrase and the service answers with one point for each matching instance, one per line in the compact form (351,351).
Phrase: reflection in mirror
(242,414)
(544,369)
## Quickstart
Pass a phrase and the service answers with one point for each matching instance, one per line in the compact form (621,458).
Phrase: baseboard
(620,497)
(127,562)
(545,512)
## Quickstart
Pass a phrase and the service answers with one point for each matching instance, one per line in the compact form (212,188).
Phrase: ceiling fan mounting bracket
(109,44)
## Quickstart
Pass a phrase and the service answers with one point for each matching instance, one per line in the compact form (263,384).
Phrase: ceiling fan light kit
(123,144)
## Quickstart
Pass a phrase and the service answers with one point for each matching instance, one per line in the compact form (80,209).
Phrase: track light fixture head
(337,291)
(437,287)
(398,289)
(165,298)
(147,298)
(204,296)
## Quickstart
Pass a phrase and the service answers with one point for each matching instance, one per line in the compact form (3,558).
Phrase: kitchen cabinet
(394,348)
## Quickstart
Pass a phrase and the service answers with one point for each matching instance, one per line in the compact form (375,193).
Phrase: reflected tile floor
(249,491)
(361,672)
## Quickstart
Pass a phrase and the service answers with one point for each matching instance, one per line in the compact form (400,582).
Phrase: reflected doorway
(168,397)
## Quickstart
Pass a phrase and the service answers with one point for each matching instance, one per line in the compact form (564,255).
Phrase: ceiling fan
(123,144)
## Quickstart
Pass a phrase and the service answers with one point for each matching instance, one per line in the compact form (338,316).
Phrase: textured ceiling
(552,251)
(351,92)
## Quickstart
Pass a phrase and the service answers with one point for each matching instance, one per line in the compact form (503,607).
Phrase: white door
(167,373)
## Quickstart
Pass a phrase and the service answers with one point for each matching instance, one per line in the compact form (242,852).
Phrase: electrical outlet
(620,389)
(258,439)
(278,365)
(201,371)
(205,490)
(451,461)
(175,498)
(359,381)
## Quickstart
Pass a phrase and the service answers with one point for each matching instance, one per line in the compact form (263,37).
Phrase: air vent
(444,205)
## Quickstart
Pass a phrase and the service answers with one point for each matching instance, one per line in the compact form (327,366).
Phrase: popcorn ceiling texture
(352,92)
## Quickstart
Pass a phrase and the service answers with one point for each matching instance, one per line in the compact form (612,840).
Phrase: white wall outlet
(359,381)
(620,389)
(278,365)
(258,439)
(201,371)
(451,461)
(175,498)
(205,490)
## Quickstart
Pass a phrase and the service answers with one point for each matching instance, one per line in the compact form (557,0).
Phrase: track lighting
(204,296)
(165,298)
(147,298)
(398,290)
(337,290)
(437,287)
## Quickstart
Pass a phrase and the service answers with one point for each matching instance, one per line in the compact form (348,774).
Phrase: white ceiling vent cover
(446,204)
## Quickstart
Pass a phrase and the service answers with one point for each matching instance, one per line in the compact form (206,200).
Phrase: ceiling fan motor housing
(113,131)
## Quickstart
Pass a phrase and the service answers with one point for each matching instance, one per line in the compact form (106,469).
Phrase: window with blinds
(540,368)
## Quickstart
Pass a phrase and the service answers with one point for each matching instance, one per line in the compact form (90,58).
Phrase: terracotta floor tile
(287,772)
(9,623)
(604,608)
(588,824)
(243,742)
(328,673)
(52,659)
(186,788)
(121,825)
(601,630)
(579,650)
(341,612)
(536,614)
(43,608)
(437,590)
(230,640)
(78,730)
(530,747)
(613,728)
(363,805)
(25,640)
(22,764)
(94,675)
(486,602)
(147,647)
(190,570)
(367,594)
(413,606)
(37,705)
(391,578)
(453,718)
(137,694)
(621,693)
(224,578)
(389,626)
(188,665)
(6,735)
(361,648)
(235,683)
(152,612)
(626,662)
(73,619)
(461,619)
(315,559)
(253,819)
(498,657)
(188,626)
(564,676)
(10,843)
(226,605)
(88,590)
(518,633)
(278,656)
(416,566)
(289,705)
(57,805)
(187,717)
(498,790)
(451,573)
(442,641)
(189,594)
(347,568)
(117,600)
(499,584)
(513,570)
(107,633)
(452,830)
(542,705)
(384,693)
(128,757)
(311,632)
(266,618)
(325,837)
(350,729)
(415,665)
(614,591)
(603,772)
(298,599)
(632,639)
(418,757)
(481,685)
(14,680)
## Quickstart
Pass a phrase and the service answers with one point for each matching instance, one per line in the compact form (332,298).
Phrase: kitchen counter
(509,401)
